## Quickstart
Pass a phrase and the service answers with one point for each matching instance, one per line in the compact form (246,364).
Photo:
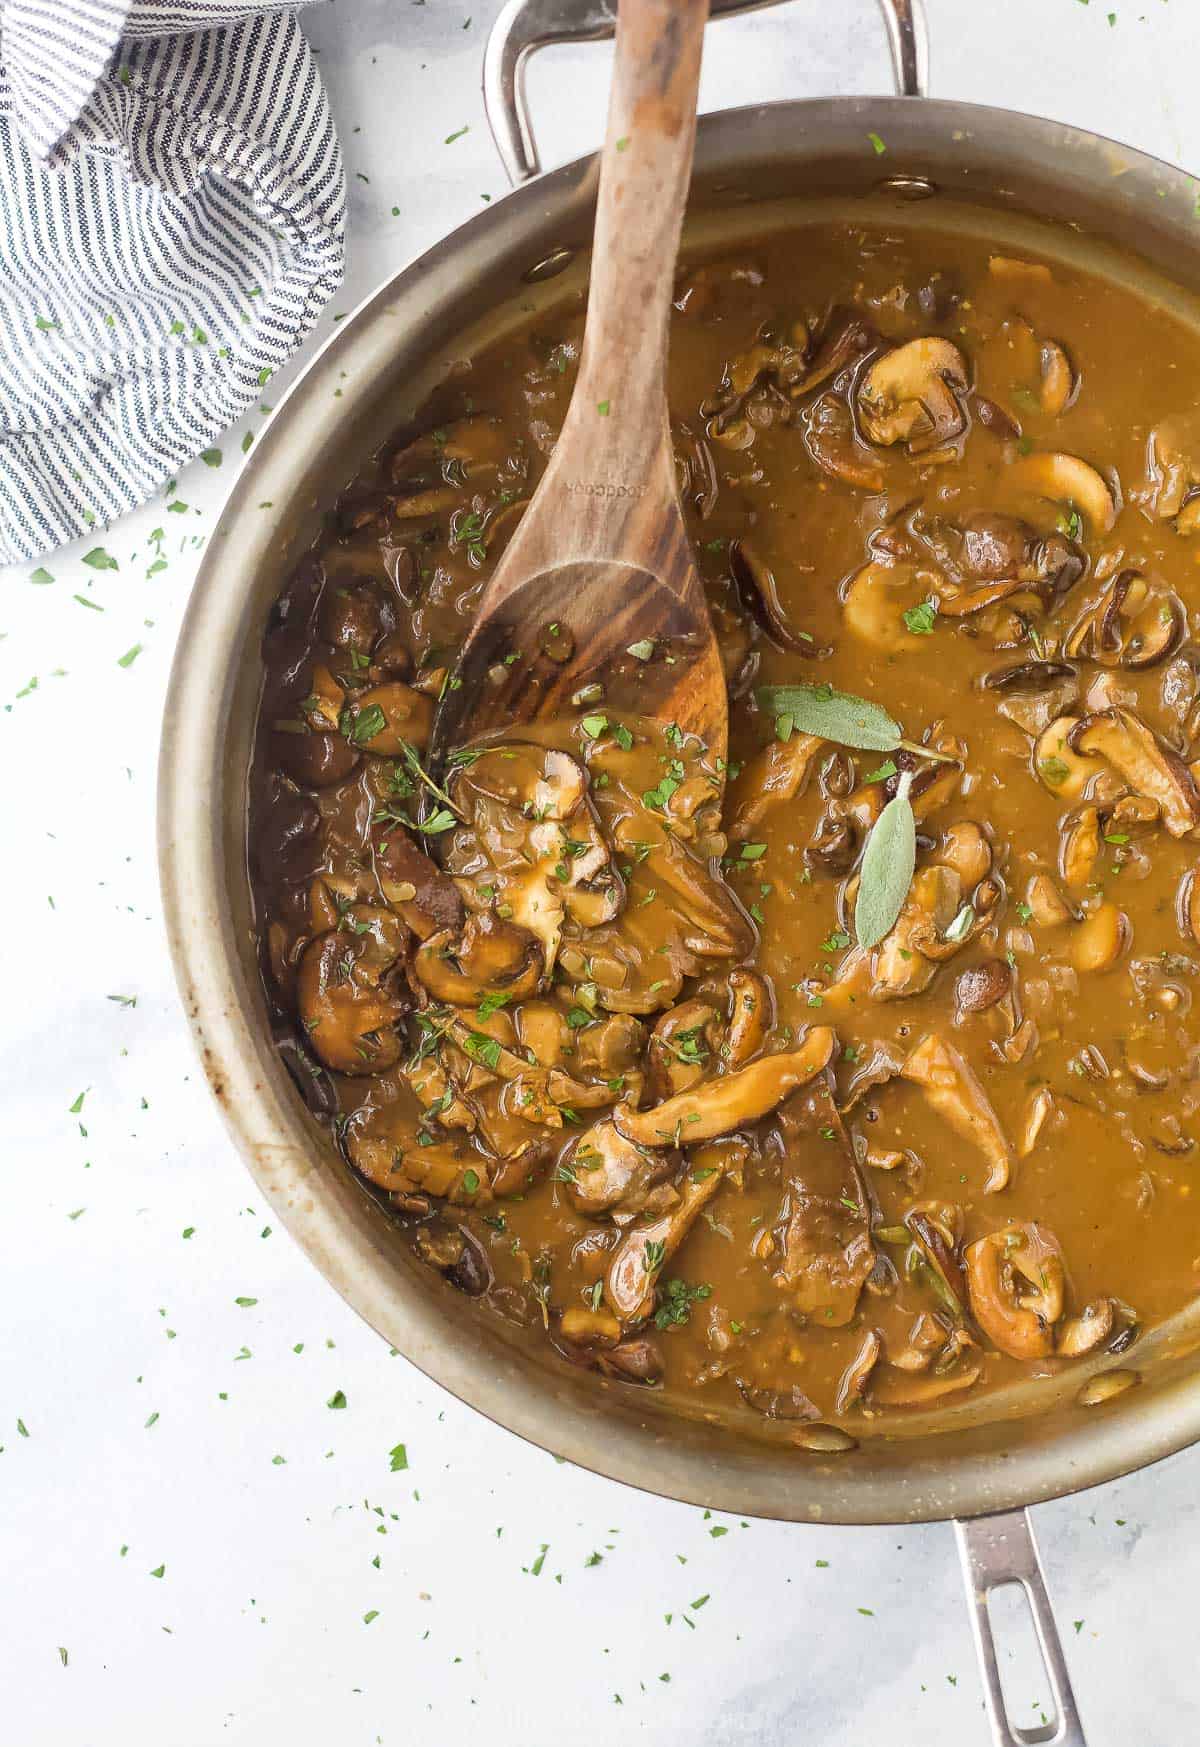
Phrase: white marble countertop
(206,1537)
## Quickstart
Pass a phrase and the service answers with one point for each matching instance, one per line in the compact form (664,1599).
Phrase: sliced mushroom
(853,1382)
(488,957)
(965,849)
(909,395)
(905,961)
(348,1003)
(983,986)
(1133,625)
(1090,1329)
(1099,940)
(682,1047)
(416,887)
(312,759)
(533,828)
(1172,490)
(603,1171)
(1017,1286)
(936,1243)
(388,1151)
(1146,765)
(1058,379)
(776,774)
(734,1101)
(832,441)
(649,1244)
(1081,848)
(322,708)
(1039,1109)
(1048,906)
(1065,479)
(1060,762)
(585,1327)
(429,474)
(759,594)
(877,599)
(749,1018)
(953,1091)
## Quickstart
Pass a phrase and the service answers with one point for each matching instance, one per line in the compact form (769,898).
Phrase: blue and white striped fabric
(172,214)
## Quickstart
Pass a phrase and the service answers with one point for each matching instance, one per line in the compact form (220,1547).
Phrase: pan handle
(996,1550)
(524,26)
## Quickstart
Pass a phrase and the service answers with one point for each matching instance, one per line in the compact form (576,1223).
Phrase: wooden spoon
(598,587)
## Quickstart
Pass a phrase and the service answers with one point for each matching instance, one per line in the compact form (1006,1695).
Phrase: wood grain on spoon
(600,562)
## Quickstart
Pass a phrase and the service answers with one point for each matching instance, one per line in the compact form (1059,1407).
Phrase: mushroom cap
(908,395)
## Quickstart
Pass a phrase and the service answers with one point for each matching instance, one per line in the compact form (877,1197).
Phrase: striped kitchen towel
(172,207)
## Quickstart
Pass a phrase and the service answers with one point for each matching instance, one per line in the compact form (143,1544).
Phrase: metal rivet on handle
(550,267)
(829,1440)
(1105,1387)
(908,187)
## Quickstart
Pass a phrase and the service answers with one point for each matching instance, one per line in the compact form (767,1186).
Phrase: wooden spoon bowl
(597,598)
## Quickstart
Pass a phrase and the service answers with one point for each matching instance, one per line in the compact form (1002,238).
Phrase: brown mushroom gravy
(589,1011)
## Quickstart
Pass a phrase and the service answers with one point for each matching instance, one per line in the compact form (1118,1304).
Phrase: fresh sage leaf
(833,715)
(887,867)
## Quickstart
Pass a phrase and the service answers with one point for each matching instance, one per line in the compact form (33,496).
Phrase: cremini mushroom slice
(650,1243)
(430,472)
(387,1150)
(1080,848)
(1133,625)
(1058,379)
(489,957)
(1099,940)
(877,600)
(852,1385)
(585,1327)
(966,849)
(1066,480)
(750,1013)
(776,774)
(604,1172)
(1187,904)
(322,708)
(759,591)
(1172,489)
(1146,765)
(348,1001)
(833,442)
(906,960)
(1060,762)
(682,1047)
(909,395)
(427,899)
(1016,1282)
(1048,906)
(734,1101)
(1038,1111)
(1090,1329)
(952,1089)
(533,826)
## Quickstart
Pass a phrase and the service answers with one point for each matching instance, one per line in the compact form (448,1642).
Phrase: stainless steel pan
(1066,189)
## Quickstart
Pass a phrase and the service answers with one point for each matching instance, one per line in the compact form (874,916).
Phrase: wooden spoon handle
(618,415)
